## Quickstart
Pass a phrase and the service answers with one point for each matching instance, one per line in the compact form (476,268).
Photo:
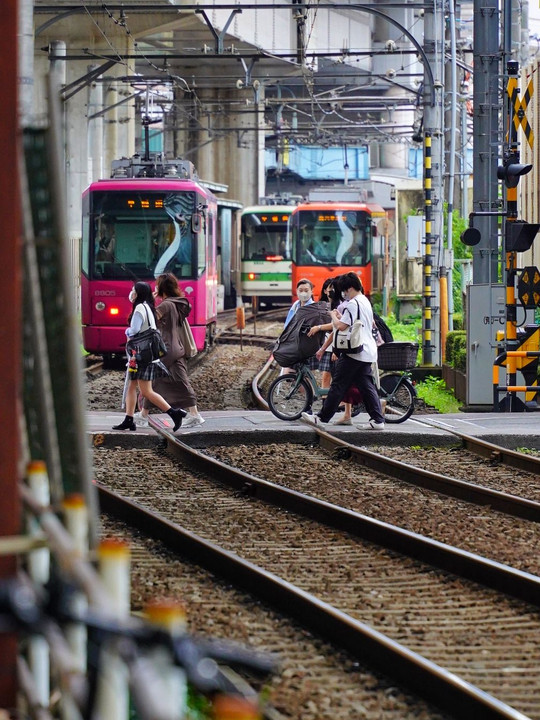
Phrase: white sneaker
(192,420)
(343,421)
(140,420)
(313,420)
(375,426)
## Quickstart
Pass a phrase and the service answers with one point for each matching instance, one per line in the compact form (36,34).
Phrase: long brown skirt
(175,388)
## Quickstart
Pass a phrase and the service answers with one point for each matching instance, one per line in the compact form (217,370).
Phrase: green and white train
(266,255)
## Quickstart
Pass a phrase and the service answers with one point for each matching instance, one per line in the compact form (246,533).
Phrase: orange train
(332,238)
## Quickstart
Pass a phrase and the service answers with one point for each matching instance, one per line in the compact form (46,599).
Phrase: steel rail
(275,313)
(498,576)
(478,494)
(255,390)
(235,337)
(444,484)
(495,453)
(429,680)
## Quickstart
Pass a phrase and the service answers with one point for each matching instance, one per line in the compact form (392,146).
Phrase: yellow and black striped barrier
(511,358)
(427,348)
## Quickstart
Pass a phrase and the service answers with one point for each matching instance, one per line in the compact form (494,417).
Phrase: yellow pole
(443,286)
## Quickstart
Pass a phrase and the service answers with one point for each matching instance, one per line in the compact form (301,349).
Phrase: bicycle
(294,393)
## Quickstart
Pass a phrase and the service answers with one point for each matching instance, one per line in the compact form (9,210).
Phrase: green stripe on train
(274,277)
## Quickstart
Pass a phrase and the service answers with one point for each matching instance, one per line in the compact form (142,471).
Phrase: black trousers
(352,372)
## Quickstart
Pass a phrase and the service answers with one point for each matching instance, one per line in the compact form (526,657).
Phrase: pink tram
(152,216)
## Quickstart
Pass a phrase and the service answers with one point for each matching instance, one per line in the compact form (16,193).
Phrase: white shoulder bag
(350,340)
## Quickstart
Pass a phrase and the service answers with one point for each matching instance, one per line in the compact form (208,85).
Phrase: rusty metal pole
(10,325)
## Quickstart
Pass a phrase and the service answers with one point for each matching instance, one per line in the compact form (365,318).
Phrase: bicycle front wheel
(288,398)
(398,394)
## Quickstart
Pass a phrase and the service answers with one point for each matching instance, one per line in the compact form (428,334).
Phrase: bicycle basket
(397,355)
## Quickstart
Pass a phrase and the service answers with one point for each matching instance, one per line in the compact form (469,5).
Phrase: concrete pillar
(110,121)
(225,147)
(76,157)
(126,111)
(95,130)
(25,42)
(57,70)
(119,120)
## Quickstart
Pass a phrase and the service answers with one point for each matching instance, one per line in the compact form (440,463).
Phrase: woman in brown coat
(175,388)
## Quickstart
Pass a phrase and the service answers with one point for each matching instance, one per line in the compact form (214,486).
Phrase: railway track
(265,341)
(93,369)
(404,599)
(314,680)
(228,317)
(495,453)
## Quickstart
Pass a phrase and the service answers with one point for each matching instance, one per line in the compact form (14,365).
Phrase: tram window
(338,238)
(201,248)
(261,239)
(85,245)
(142,237)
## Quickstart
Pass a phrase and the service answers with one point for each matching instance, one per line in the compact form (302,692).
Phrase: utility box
(486,314)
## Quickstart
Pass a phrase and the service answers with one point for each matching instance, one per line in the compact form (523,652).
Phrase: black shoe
(177,415)
(341,408)
(127,424)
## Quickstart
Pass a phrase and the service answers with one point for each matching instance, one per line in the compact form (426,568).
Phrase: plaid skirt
(313,363)
(325,363)
(149,372)
(144,372)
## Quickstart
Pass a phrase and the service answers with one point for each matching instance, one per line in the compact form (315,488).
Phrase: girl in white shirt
(353,369)
(141,318)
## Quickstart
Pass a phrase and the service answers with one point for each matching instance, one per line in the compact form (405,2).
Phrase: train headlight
(114,311)
(100,306)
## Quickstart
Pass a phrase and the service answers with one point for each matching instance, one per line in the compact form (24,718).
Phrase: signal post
(514,351)
(518,236)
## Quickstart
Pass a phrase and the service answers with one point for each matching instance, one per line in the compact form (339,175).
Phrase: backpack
(293,345)
(384,330)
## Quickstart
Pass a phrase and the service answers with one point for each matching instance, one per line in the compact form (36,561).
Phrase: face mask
(132,295)
(304,295)
(331,294)
(345,295)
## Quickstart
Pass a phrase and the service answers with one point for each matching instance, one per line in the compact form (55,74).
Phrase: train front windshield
(264,236)
(339,237)
(141,235)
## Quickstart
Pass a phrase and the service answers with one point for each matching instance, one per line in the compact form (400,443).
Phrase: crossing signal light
(512,170)
(519,235)
(471,236)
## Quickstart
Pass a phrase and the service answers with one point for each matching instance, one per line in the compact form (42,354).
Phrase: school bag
(293,345)
(384,330)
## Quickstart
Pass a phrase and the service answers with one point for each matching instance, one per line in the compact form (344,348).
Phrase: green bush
(456,341)
(460,359)
(458,321)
